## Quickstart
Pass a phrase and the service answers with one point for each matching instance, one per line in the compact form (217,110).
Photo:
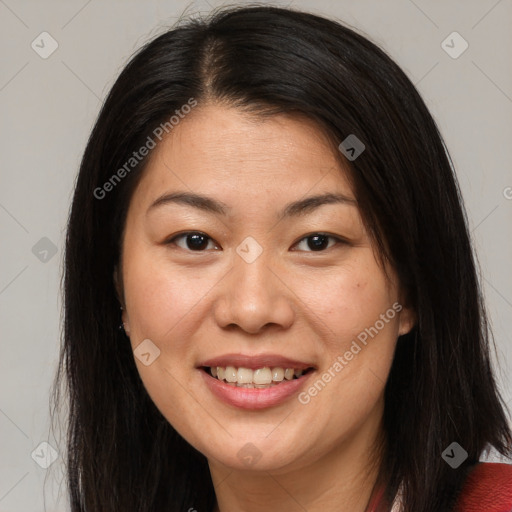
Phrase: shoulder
(488,488)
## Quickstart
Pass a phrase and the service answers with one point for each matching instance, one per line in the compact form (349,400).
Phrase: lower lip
(254,398)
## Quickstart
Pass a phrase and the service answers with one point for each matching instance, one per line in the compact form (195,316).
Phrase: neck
(344,479)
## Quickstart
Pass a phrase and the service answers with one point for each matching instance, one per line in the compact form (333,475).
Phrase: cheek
(163,304)
(359,313)
(351,301)
(159,297)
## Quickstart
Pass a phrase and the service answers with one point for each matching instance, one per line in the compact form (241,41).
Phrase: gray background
(48,107)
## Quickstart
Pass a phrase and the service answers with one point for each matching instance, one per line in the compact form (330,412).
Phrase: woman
(267,206)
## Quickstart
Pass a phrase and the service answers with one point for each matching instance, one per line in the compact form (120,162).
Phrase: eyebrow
(208,204)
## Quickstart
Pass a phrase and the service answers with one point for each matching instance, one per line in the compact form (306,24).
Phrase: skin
(294,301)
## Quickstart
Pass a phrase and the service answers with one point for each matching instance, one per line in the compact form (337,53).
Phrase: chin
(256,453)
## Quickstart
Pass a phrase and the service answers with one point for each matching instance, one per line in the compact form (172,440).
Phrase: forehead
(224,152)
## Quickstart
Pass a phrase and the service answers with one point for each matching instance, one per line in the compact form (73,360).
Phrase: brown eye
(194,241)
(318,242)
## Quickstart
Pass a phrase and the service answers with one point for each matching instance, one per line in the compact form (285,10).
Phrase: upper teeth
(260,377)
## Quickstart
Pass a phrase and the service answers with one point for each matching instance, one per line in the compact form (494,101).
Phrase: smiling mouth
(262,378)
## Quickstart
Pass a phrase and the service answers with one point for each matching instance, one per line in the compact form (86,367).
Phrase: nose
(253,296)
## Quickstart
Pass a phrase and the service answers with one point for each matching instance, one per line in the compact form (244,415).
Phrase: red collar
(487,488)
(376,500)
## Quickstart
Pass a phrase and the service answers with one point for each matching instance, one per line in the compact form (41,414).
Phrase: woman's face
(268,281)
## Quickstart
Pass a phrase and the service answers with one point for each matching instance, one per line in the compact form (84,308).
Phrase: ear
(407,320)
(407,317)
(126,322)
(118,286)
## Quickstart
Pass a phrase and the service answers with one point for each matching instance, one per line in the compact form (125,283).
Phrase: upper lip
(256,361)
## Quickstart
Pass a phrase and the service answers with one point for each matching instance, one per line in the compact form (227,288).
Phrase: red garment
(488,488)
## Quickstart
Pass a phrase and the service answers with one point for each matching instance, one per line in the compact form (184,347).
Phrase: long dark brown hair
(122,455)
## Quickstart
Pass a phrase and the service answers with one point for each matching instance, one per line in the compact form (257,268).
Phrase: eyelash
(187,233)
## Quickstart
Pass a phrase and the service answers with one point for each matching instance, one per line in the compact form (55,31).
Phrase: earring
(121,325)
